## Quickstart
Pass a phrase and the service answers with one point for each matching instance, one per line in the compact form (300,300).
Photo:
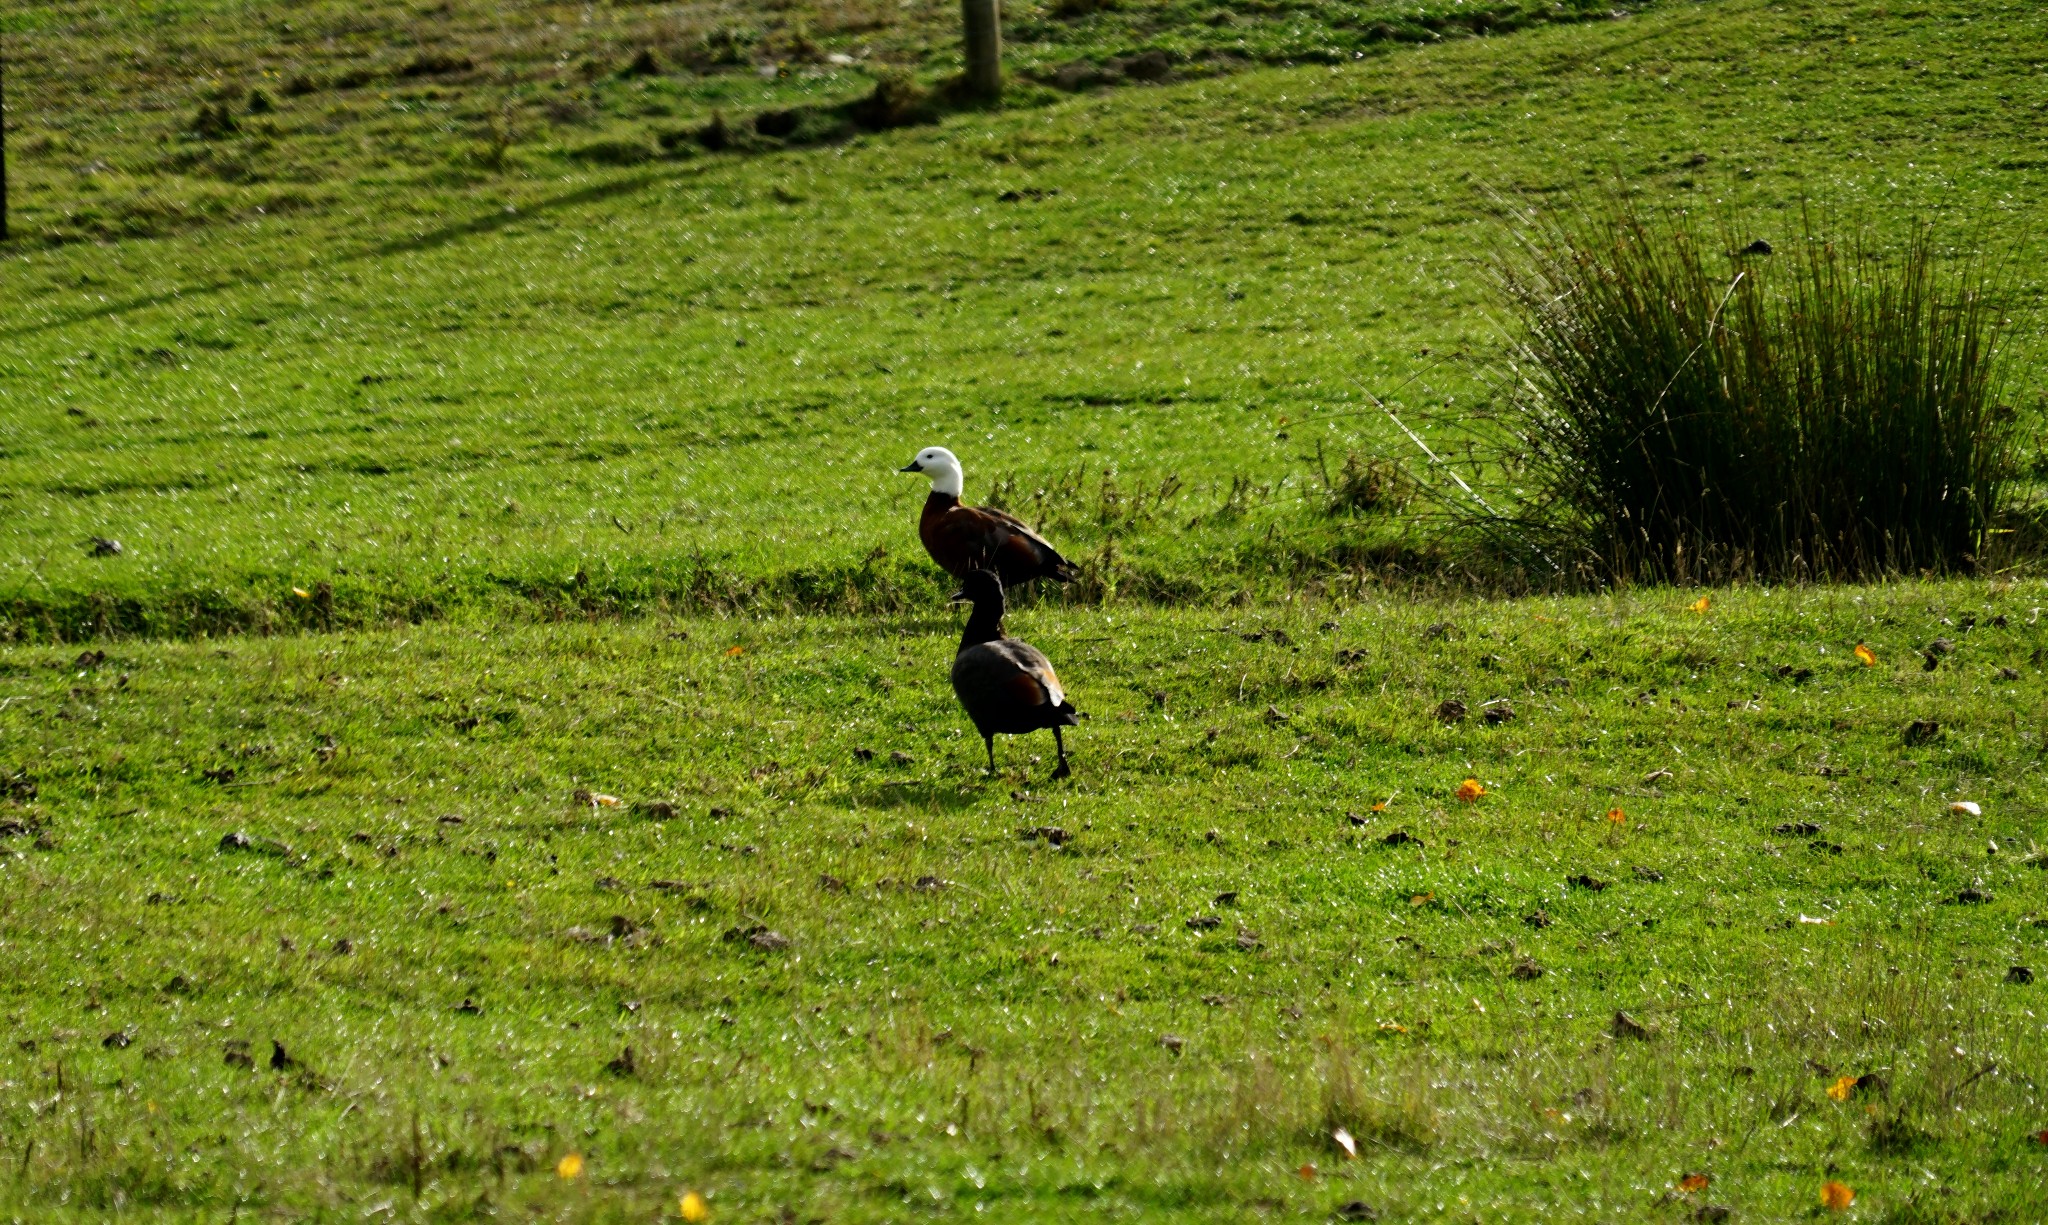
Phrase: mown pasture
(585,473)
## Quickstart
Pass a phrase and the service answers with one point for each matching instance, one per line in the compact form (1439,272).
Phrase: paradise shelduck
(1007,686)
(963,539)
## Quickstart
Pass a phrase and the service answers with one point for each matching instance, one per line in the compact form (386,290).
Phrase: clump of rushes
(1700,405)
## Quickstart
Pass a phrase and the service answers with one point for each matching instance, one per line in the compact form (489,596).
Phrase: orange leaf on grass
(735,650)
(1422,899)
(1616,815)
(1835,1196)
(1842,1088)
(570,1166)
(1700,605)
(1470,790)
(1307,1171)
(2041,1137)
(694,1208)
(1866,656)
(1694,1182)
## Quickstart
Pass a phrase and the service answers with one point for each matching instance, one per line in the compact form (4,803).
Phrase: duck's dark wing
(1023,542)
(974,537)
(1010,686)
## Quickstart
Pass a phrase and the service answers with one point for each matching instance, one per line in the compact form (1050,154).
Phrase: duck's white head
(939,464)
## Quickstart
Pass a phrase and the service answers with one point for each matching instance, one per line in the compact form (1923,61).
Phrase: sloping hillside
(1146,317)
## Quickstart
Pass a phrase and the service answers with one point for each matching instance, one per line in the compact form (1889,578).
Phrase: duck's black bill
(910,467)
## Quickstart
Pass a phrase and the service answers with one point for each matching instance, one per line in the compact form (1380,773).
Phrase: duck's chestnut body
(963,538)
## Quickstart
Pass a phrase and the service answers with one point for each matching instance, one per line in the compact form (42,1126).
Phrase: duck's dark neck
(986,625)
(939,503)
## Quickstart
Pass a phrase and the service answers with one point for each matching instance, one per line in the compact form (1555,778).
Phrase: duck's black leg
(1062,771)
(990,742)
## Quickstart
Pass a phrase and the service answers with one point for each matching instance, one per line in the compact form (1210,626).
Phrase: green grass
(438,397)
(367,96)
(975,1023)
(558,436)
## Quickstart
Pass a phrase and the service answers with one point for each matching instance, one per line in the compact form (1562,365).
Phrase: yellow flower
(570,1166)
(694,1208)
(1842,1088)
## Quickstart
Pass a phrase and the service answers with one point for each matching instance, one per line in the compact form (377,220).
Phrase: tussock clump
(1366,484)
(715,135)
(897,101)
(1694,412)
(213,121)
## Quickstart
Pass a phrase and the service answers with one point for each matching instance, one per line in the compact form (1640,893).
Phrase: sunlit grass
(958,1008)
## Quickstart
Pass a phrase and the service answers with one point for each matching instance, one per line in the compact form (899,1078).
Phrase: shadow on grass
(914,793)
(487,223)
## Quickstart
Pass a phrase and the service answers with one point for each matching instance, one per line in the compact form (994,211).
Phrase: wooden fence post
(984,48)
(3,145)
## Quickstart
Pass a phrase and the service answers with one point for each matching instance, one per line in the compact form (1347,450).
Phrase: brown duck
(1007,686)
(964,538)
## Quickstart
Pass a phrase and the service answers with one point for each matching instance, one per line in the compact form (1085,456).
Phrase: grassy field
(582,461)
(1162,1016)
(689,382)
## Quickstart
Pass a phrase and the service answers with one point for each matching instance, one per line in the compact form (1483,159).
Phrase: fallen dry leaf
(302,593)
(1307,1171)
(1866,656)
(1392,1027)
(1967,807)
(694,1209)
(1470,790)
(1616,815)
(735,650)
(1422,899)
(1694,1182)
(1835,1196)
(1700,605)
(1842,1088)
(569,1166)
